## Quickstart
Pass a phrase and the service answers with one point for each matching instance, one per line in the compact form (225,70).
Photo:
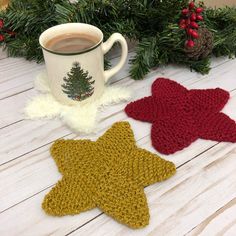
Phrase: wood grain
(57,130)
(180,203)
(224,216)
(181,197)
(195,201)
(40,160)
(3,54)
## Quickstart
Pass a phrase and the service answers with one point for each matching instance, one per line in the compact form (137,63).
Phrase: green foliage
(223,24)
(154,23)
(28,19)
(104,14)
(145,57)
(78,84)
(166,47)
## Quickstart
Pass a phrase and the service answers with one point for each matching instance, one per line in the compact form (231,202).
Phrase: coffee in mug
(69,43)
(74,58)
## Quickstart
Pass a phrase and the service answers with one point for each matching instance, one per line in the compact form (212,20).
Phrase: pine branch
(26,47)
(223,23)
(28,19)
(166,47)
(144,59)
(152,22)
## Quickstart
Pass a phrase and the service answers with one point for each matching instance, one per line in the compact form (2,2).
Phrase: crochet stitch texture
(109,174)
(180,116)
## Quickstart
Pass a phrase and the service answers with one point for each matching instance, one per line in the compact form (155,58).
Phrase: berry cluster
(5,32)
(190,16)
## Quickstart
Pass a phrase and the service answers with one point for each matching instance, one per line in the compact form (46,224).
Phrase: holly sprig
(189,21)
(5,33)
(1,29)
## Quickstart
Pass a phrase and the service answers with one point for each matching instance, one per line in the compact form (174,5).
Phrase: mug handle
(116,37)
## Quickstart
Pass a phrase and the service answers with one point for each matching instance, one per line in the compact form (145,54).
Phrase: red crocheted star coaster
(180,116)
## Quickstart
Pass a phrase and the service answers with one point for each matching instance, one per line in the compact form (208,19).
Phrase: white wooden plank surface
(3,54)
(18,98)
(18,146)
(197,183)
(225,217)
(179,204)
(27,172)
(11,104)
(34,161)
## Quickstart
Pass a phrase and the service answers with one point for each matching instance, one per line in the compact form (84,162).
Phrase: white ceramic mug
(89,61)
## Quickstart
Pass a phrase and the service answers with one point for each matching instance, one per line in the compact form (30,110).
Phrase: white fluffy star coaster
(81,118)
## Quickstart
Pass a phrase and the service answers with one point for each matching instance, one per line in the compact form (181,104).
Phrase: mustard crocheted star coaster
(110,174)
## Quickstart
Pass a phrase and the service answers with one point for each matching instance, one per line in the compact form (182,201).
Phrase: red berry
(185,11)
(193,17)
(199,10)
(189,31)
(182,21)
(194,25)
(191,5)
(1,38)
(199,17)
(182,26)
(1,23)
(187,21)
(194,34)
(190,43)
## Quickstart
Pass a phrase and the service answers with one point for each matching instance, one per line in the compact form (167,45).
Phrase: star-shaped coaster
(109,174)
(180,116)
(80,118)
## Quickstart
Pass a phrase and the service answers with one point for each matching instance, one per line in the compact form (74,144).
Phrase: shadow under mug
(80,76)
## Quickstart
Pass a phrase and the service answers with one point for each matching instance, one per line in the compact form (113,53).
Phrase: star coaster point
(180,116)
(110,174)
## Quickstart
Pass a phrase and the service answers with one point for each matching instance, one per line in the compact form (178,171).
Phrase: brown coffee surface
(71,43)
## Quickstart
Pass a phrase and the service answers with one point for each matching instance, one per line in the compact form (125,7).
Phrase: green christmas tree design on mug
(78,83)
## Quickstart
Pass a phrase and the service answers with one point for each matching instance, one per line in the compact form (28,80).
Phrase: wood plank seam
(199,194)
(102,120)
(227,152)
(94,218)
(177,168)
(112,83)
(136,142)
(11,124)
(30,151)
(26,199)
(201,226)
(49,187)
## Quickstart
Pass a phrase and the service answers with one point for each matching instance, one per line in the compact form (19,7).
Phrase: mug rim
(71,53)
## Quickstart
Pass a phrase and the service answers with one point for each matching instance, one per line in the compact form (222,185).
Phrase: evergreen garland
(154,23)
(28,19)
